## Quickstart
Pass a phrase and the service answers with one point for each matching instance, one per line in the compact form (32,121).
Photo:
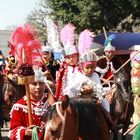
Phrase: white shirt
(75,81)
(70,78)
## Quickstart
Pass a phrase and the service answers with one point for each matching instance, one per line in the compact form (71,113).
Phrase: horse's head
(75,118)
(55,120)
(122,81)
(9,92)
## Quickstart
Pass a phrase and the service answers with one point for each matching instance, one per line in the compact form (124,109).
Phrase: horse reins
(63,118)
(123,65)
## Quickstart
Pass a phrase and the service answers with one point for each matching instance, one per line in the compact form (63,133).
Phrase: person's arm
(18,130)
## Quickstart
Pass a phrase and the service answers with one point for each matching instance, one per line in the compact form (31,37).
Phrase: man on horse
(107,65)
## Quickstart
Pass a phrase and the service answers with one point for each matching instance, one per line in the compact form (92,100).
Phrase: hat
(39,77)
(135,56)
(47,49)
(88,56)
(109,47)
(107,43)
(135,47)
(69,49)
(25,74)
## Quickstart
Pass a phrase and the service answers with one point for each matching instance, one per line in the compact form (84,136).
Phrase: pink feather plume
(67,34)
(24,40)
(85,41)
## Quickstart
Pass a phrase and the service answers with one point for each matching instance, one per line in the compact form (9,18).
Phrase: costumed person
(48,65)
(11,67)
(88,85)
(1,113)
(136,135)
(107,65)
(135,84)
(68,70)
(19,122)
(2,62)
(27,114)
(66,75)
(88,62)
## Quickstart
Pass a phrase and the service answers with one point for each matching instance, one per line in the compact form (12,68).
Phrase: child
(88,64)
(67,72)
(48,65)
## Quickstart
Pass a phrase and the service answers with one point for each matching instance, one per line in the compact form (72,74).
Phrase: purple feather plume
(85,41)
(67,34)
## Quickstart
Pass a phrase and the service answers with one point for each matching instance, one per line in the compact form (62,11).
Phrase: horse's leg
(115,135)
(125,128)
(128,119)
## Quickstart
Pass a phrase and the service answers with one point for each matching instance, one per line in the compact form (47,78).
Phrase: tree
(37,19)
(94,14)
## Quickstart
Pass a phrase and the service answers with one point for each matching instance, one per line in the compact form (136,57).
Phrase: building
(5,35)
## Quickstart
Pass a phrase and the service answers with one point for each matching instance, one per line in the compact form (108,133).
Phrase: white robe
(70,79)
(93,80)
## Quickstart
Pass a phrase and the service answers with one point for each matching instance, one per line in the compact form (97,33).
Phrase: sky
(14,12)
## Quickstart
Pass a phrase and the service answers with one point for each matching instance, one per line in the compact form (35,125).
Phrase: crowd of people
(84,74)
(75,76)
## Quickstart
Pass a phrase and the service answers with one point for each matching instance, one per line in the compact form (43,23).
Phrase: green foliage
(37,19)
(94,14)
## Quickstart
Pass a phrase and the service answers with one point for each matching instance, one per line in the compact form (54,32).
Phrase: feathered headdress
(67,34)
(24,40)
(107,43)
(85,41)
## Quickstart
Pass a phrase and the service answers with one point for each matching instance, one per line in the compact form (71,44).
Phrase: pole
(105,33)
(26,83)
(129,130)
(123,65)
(28,101)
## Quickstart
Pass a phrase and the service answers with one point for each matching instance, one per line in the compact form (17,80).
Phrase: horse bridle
(62,116)
(122,95)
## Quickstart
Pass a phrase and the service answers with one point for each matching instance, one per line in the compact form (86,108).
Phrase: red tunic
(19,117)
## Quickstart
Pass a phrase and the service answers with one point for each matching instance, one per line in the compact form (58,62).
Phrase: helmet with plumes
(107,44)
(69,50)
(88,56)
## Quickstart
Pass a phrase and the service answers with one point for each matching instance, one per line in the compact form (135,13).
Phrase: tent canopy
(123,41)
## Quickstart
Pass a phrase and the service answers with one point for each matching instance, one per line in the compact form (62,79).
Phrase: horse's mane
(123,83)
(123,74)
(88,118)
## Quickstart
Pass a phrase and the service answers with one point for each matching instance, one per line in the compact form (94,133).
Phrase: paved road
(5,134)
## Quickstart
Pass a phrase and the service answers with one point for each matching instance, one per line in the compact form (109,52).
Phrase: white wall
(5,35)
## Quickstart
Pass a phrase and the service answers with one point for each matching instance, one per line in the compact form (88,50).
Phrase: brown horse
(75,119)
(122,105)
(10,93)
